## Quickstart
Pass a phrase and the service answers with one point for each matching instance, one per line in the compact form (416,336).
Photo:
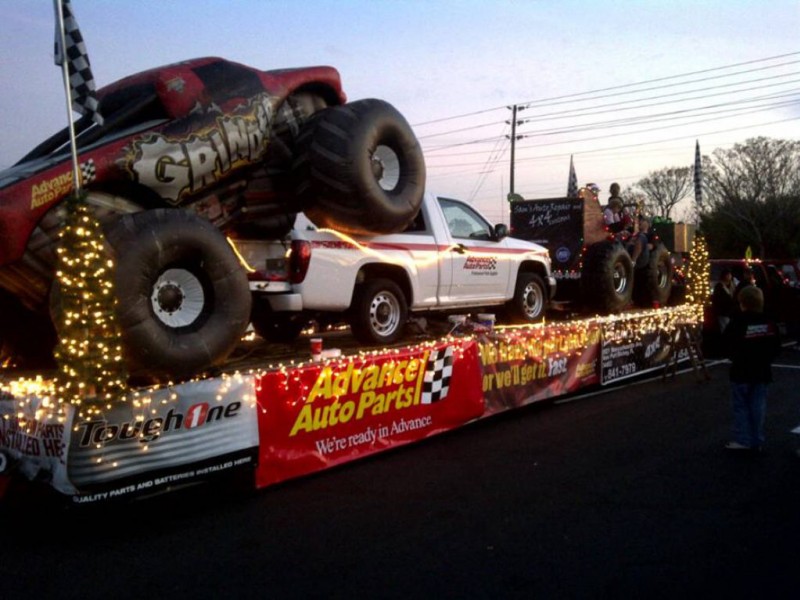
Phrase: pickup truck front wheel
(530,299)
(378,312)
(183,297)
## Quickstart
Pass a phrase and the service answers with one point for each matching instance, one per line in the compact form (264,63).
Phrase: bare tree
(663,189)
(753,198)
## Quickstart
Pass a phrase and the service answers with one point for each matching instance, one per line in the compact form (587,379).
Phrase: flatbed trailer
(279,421)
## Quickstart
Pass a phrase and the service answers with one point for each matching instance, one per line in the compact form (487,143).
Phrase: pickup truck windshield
(463,221)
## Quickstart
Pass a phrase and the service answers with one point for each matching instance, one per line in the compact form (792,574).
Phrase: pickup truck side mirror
(500,231)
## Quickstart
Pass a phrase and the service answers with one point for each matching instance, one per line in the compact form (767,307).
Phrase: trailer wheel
(607,277)
(183,297)
(530,299)
(359,169)
(281,327)
(378,312)
(654,281)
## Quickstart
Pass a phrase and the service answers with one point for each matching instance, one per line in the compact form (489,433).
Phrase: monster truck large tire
(183,297)
(653,283)
(378,312)
(607,277)
(359,169)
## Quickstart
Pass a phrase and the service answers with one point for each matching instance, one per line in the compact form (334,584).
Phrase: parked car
(781,299)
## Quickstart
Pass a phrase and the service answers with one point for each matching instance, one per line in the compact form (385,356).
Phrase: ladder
(687,337)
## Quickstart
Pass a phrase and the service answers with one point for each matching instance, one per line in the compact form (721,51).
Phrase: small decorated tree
(91,371)
(698,286)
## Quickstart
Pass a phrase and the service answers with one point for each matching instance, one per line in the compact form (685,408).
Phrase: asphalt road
(627,494)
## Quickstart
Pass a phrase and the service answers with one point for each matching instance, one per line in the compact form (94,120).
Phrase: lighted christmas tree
(698,287)
(91,371)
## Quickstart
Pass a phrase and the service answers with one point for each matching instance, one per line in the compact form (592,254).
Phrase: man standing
(640,246)
(752,342)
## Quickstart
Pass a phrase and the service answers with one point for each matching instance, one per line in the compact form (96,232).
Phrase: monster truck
(591,264)
(191,154)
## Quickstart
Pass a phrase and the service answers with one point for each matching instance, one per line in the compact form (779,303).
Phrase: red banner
(320,415)
(521,366)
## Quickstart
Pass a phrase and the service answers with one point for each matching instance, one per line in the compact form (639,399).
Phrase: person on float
(612,214)
(640,245)
(590,191)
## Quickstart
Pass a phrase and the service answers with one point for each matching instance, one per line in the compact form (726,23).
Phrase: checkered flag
(572,184)
(88,171)
(698,175)
(81,80)
(436,381)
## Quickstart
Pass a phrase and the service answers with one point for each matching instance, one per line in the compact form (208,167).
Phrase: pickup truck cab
(450,259)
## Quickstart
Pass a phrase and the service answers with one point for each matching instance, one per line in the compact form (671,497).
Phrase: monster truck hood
(22,171)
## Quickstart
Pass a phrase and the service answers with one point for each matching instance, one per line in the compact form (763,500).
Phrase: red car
(240,151)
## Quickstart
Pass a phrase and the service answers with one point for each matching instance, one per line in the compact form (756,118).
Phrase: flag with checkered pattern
(698,175)
(572,184)
(438,371)
(81,81)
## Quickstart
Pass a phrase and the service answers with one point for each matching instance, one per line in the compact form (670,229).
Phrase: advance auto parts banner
(320,415)
(521,366)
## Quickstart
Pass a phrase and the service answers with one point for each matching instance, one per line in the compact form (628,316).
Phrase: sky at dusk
(624,87)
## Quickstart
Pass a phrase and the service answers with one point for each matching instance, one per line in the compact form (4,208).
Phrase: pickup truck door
(478,265)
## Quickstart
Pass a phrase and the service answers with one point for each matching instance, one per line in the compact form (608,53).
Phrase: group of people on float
(631,229)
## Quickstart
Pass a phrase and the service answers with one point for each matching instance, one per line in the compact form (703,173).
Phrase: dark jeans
(749,403)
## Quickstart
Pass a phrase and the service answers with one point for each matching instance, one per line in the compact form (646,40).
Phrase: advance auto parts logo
(481,265)
(355,393)
(93,433)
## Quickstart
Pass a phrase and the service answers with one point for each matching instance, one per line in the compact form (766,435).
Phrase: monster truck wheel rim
(386,167)
(620,278)
(533,301)
(663,276)
(384,313)
(178,298)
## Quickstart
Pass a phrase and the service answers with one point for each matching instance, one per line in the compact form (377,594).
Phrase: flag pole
(76,171)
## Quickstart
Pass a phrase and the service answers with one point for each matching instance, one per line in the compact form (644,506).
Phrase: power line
(616,87)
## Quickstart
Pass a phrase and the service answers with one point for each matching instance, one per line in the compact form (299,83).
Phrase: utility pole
(514,137)
(513,140)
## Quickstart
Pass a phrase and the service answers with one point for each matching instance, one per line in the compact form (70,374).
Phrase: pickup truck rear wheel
(607,277)
(359,169)
(378,312)
(530,299)
(280,327)
(183,297)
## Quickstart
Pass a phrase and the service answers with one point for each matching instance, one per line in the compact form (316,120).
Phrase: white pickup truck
(450,259)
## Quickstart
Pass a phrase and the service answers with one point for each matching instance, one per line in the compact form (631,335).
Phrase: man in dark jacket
(752,342)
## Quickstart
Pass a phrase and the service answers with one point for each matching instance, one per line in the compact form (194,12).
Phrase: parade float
(119,266)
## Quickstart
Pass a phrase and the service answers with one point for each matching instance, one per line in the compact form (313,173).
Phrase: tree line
(750,198)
